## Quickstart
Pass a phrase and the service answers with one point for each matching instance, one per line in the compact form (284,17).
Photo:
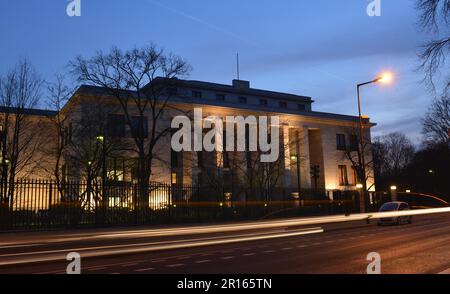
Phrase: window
(340,142)
(174,159)
(354,176)
(197,94)
(225,154)
(173,178)
(282,104)
(243,100)
(343,179)
(263,102)
(116,125)
(115,169)
(301,107)
(139,126)
(174,156)
(220,97)
(354,143)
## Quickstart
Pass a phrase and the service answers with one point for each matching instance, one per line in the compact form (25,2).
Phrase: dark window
(220,97)
(354,143)
(200,159)
(301,107)
(248,155)
(226,157)
(197,94)
(340,142)
(343,178)
(282,104)
(174,163)
(116,125)
(174,159)
(243,100)
(263,102)
(139,126)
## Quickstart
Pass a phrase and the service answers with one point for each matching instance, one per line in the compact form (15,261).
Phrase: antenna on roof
(237,66)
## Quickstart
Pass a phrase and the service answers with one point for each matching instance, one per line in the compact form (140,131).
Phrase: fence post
(50,200)
(170,202)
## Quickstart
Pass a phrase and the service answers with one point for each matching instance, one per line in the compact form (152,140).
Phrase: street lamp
(101,140)
(384,78)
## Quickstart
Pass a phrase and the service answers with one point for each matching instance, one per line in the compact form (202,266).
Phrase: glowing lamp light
(393,188)
(385,78)
(408,191)
(359,186)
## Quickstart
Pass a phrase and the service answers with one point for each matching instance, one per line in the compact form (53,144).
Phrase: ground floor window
(343,178)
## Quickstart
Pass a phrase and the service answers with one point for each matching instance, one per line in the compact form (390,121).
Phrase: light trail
(86,252)
(210,229)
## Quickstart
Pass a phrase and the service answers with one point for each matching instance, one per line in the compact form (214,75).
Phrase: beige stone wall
(318,149)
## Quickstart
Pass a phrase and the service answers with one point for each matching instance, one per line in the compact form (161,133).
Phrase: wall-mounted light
(393,188)
(359,186)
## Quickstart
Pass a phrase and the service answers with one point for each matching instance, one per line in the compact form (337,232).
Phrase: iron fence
(44,204)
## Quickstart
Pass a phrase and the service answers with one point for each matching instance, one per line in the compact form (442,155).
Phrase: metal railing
(43,204)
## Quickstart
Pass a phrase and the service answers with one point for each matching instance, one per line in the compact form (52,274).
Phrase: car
(394,206)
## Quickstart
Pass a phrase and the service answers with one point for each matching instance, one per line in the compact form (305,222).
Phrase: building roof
(239,91)
(94,90)
(28,111)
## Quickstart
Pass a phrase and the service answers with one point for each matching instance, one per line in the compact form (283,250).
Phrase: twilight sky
(318,48)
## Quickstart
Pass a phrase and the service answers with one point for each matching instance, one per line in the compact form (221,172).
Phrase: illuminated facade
(312,149)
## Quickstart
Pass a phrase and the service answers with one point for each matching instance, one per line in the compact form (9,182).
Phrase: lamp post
(385,78)
(102,141)
(394,197)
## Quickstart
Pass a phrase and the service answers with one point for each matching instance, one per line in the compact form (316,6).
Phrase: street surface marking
(176,265)
(446,272)
(144,269)
(203,261)
(129,264)
(97,268)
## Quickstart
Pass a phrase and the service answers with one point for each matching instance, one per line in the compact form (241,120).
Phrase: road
(422,247)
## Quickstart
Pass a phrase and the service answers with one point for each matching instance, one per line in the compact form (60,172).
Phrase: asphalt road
(422,247)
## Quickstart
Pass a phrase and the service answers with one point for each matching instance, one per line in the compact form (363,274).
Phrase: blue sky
(319,48)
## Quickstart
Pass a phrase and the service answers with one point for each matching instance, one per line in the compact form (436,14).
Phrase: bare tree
(354,152)
(131,77)
(87,148)
(436,123)
(395,152)
(20,91)
(435,17)
(59,93)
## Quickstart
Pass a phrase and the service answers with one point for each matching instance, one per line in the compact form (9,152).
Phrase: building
(95,134)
